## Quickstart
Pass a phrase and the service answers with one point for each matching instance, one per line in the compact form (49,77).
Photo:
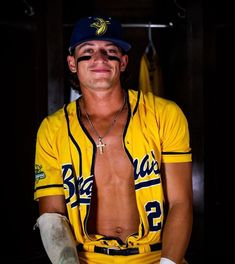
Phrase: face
(98,64)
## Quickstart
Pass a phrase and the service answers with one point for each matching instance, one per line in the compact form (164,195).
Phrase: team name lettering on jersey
(145,167)
(84,186)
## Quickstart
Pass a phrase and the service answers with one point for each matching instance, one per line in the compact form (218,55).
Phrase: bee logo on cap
(101,25)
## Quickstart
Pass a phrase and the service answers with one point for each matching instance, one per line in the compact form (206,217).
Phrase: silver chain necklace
(101,145)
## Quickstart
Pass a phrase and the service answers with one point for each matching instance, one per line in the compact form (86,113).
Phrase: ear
(124,62)
(71,63)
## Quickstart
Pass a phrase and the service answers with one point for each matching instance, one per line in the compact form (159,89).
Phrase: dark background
(197,61)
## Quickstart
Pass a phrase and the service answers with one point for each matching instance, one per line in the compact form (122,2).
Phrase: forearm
(177,232)
(57,238)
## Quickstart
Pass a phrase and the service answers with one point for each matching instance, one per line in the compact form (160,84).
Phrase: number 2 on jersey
(154,212)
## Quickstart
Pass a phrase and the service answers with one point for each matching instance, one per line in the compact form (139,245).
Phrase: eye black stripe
(82,58)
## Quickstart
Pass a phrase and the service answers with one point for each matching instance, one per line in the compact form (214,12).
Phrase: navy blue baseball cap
(98,28)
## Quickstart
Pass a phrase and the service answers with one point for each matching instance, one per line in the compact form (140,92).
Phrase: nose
(100,55)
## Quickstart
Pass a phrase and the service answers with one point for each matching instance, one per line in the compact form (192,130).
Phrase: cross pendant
(101,146)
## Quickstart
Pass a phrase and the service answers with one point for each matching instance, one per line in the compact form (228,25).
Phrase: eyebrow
(85,44)
(92,44)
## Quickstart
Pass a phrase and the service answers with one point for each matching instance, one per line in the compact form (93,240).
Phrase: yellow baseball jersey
(156,132)
(150,78)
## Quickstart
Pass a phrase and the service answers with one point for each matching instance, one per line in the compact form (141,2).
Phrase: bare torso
(113,206)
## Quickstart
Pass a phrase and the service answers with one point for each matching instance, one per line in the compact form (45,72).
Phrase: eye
(88,51)
(112,51)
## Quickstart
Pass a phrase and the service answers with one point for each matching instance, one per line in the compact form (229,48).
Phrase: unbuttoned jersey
(156,132)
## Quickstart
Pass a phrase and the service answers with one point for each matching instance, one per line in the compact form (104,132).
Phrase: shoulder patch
(39,174)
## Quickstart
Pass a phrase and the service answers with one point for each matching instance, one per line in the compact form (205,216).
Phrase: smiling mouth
(100,70)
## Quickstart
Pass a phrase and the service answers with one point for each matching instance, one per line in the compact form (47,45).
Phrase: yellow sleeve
(174,133)
(48,175)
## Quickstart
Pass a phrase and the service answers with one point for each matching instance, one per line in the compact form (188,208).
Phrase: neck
(101,103)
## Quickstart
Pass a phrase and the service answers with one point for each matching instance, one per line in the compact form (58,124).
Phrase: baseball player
(112,168)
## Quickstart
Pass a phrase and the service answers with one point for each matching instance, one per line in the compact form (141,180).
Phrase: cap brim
(122,44)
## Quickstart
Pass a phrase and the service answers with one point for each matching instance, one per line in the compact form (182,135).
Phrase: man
(113,168)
